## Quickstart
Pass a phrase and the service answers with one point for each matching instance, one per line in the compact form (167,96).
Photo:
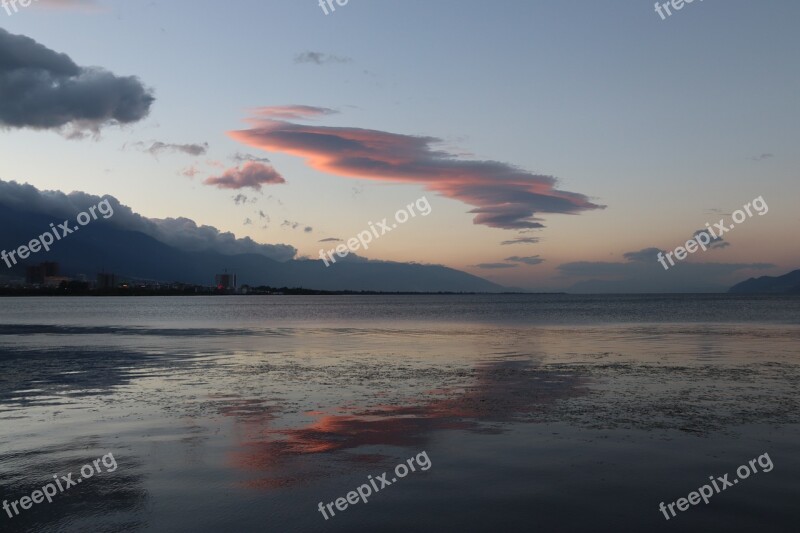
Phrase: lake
(530,412)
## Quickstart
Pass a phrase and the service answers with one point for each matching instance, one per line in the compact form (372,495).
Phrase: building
(55,282)
(37,275)
(106,281)
(225,282)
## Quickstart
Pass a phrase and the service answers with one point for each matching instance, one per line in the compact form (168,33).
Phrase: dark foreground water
(518,413)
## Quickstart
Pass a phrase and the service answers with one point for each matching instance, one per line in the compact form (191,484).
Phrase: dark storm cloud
(42,89)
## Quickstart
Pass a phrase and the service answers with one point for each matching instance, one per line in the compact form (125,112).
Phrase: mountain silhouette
(786,284)
(103,246)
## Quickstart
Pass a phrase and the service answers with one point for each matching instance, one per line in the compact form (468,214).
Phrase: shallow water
(556,412)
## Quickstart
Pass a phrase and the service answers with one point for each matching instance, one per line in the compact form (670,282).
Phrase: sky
(556,143)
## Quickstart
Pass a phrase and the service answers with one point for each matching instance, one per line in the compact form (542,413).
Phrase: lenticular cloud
(502,195)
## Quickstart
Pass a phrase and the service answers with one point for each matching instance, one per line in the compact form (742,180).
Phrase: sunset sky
(550,138)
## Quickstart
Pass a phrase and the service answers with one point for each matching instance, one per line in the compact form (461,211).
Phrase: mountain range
(108,245)
(786,284)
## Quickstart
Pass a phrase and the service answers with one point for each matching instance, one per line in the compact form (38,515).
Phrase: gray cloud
(320,58)
(242,199)
(42,89)
(155,148)
(264,218)
(762,157)
(239,157)
(521,240)
(717,242)
(182,233)
(643,256)
(530,260)
(294,225)
(492,266)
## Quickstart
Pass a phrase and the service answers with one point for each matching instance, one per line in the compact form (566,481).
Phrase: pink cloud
(190,171)
(251,174)
(292,112)
(502,195)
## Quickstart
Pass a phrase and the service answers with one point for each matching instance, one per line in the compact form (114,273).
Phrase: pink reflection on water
(501,392)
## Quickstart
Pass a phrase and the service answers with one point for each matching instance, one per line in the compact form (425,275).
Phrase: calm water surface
(556,413)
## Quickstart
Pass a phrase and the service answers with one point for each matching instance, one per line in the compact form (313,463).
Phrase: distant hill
(102,245)
(786,284)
